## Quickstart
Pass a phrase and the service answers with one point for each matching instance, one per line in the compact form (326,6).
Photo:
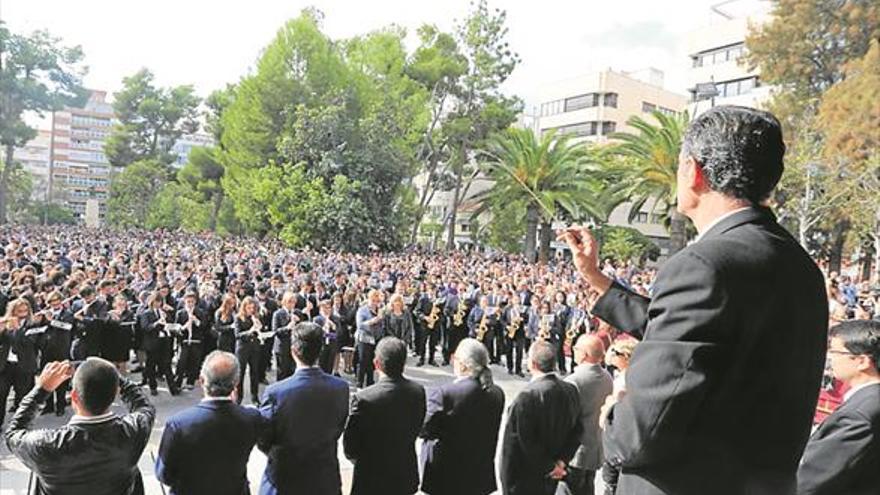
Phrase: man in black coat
(843,455)
(721,391)
(543,429)
(461,427)
(205,448)
(383,424)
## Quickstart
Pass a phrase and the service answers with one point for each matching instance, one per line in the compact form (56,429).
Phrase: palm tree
(549,176)
(646,169)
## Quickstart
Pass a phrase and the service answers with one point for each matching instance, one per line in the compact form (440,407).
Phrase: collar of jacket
(749,215)
(91,420)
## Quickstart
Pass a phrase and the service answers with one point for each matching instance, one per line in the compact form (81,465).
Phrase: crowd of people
(718,358)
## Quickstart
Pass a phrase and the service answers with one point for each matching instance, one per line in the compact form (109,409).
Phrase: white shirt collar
(77,419)
(719,220)
(217,399)
(849,393)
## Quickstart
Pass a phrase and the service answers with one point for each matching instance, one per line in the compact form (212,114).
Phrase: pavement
(14,476)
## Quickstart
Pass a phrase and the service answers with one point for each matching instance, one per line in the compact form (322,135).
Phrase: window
(578,130)
(641,217)
(608,128)
(730,53)
(610,100)
(648,107)
(551,108)
(667,111)
(580,101)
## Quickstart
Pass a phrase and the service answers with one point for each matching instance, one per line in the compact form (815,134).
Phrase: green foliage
(49,214)
(19,189)
(505,228)
(646,167)
(545,176)
(625,244)
(133,191)
(151,120)
(37,74)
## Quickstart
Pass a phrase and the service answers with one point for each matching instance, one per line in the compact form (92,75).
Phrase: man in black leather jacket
(97,452)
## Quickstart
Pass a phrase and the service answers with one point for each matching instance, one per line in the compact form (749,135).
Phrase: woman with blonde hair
(224,321)
(247,328)
(18,334)
(398,320)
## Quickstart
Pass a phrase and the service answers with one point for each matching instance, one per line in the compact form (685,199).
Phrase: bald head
(589,349)
(219,374)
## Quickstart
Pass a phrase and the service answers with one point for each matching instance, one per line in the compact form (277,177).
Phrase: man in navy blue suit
(205,448)
(305,415)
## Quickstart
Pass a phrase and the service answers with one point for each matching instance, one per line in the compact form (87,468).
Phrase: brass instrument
(544,328)
(571,333)
(458,317)
(434,316)
(513,326)
(484,327)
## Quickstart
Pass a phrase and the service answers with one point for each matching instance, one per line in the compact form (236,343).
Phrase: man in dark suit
(192,320)
(282,321)
(461,427)
(843,455)
(384,422)
(722,390)
(305,417)
(205,448)
(594,384)
(97,452)
(543,429)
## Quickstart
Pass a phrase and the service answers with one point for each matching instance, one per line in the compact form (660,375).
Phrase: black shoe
(432,362)
(520,374)
(154,392)
(174,391)
(60,412)
(445,362)
(421,362)
(509,372)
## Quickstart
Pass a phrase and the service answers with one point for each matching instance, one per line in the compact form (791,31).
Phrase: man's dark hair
(96,381)
(860,337)
(543,354)
(306,340)
(391,354)
(740,150)
(87,291)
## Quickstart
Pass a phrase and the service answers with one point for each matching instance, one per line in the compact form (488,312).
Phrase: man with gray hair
(205,448)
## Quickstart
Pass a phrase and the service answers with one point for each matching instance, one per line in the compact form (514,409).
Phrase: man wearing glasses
(843,455)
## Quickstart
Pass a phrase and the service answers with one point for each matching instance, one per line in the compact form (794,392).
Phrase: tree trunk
(531,231)
(677,232)
(215,211)
(546,237)
(424,200)
(4,182)
(450,239)
(838,237)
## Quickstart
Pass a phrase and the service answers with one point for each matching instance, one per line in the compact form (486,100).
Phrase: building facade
(79,170)
(34,159)
(717,74)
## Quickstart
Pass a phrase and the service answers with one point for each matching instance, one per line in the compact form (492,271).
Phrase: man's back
(594,385)
(89,456)
(205,449)
(305,416)
(461,436)
(380,437)
(721,391)
(543,427)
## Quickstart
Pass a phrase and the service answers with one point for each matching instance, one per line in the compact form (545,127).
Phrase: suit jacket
(205,448)
(84,457)
(723,387)
(843,455)
(594,385)
(543,426)
(305,417)
(280,319)
(384,422)
(460,438)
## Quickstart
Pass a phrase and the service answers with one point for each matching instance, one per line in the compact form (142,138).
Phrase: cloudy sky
(209,43)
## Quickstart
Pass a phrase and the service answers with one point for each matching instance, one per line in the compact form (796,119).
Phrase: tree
(37,74)
(50,214)
(480,109)
(646,169)
(334,108)
(626,244)
(151,120)
(203,175)
(505,228)
(19,189)
(132,192)
(544,176)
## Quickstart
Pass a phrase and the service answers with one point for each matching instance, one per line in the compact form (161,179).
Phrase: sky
(211,43)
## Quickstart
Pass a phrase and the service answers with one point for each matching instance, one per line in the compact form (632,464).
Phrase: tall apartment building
(186,143)
(717,74)
(593,106)
(79,170)
(34,159)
